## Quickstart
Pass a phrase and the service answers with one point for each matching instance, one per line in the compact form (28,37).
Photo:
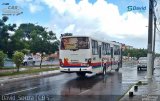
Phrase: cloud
(33,5)
(70,28)
(34,8)
(99,17)
(23,1)
(11,33)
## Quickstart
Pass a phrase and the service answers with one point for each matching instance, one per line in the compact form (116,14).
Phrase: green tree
(18,59)
(36,39)
(5,36)
(2,56)
(44,42)
(135,52)
(25,51)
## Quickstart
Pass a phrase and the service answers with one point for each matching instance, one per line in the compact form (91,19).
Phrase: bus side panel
(116,56)
(96,56)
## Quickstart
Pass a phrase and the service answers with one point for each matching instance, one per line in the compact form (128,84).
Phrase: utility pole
(154,39)
(150,33)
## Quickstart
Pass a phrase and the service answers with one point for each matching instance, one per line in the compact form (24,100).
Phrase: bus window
(111,52)
(106,49)
(71,43)
(116,50)
(103,48)
(83,43)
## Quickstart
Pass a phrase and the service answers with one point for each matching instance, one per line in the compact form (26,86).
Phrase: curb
(131,89)
(29,77)
(126,93)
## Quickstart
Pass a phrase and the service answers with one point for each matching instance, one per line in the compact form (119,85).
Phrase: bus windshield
(73,43)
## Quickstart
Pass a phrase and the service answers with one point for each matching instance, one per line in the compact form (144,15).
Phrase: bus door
(120,57)
(113,63)
(111,52)
(112,57)
(100,53)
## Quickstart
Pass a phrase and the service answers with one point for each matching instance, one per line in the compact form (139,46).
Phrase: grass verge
(7,68)
(29,71)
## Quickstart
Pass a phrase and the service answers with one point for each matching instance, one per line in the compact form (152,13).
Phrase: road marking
(84,91)
(21,91)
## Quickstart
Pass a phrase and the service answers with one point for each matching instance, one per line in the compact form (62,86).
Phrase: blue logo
(136,8)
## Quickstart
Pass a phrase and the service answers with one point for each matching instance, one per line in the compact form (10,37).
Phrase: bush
(18,59)
(25,51)
(2,56)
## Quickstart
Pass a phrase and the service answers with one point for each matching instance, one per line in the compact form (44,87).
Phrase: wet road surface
(68,87)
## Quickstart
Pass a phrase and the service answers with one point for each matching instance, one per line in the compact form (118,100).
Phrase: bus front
(75,55)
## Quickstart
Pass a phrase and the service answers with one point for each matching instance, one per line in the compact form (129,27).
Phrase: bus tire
(117,67)
(81,74)
(25,64)
(139,68)
(33,63)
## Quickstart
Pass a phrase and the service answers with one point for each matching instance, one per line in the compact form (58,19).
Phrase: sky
(102,19)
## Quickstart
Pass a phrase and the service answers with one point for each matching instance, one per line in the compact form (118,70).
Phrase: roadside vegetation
(2,56)
(28,71)
(136,53)
(28,38)
(18,59)
(11,67)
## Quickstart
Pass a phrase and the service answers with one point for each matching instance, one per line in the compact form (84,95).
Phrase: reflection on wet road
(69,87)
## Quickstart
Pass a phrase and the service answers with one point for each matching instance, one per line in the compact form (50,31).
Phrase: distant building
(124,47)
(54,56)
(129,47)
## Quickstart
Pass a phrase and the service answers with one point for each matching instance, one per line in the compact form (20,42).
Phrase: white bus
(83,54)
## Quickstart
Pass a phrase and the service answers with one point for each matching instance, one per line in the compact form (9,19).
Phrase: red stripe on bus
(92,64)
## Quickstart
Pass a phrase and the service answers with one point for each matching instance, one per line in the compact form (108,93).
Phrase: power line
(157,29)
(155,14)
(156,21)
(155,3)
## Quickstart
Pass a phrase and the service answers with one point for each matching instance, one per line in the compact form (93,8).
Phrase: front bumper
(142,65)
(76,69)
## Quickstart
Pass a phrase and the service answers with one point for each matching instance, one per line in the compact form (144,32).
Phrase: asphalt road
(68,87)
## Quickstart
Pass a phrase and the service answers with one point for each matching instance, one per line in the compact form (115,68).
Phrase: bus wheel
(81,74)
(33,63)
(117,67)
(25,63)
(104,71)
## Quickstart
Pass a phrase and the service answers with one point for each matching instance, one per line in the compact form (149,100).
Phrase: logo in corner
(11,10)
